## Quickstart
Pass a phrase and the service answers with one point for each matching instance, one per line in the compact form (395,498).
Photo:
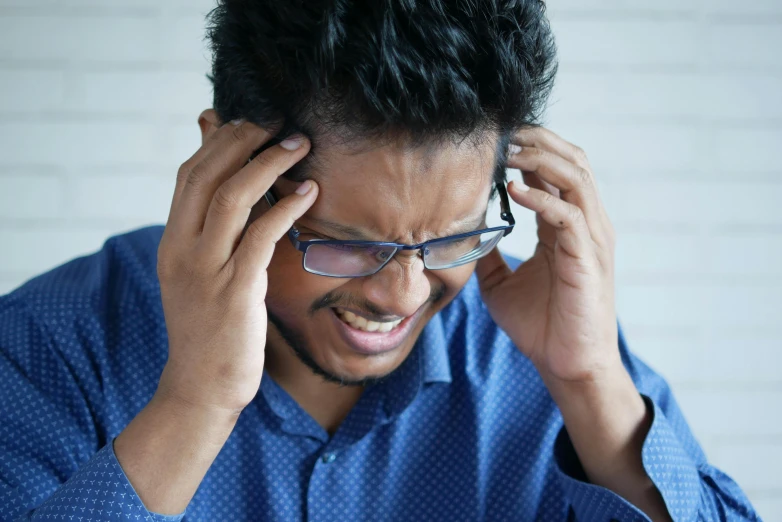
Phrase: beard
(298,344)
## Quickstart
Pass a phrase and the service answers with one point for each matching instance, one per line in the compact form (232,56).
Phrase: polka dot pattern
(464,430)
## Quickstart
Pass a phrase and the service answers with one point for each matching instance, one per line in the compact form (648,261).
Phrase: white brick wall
(677,102)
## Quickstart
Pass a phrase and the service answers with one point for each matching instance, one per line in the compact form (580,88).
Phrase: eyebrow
(356,234)
(352,233)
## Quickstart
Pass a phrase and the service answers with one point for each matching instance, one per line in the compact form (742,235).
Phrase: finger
(574,183)
(193,160)
(255,250)
(181,180)
(572,231)
(491,270)
(233,201)
(603,233)
(545,139)
(225,153)
(547,234)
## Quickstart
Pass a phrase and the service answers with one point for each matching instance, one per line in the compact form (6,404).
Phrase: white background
(678,104)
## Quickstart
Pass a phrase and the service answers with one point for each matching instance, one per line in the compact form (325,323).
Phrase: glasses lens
(455,252)
(346,260)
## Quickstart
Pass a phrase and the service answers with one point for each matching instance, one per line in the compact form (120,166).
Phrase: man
(307,338)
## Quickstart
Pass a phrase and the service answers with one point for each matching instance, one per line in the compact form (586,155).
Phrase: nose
(401,287)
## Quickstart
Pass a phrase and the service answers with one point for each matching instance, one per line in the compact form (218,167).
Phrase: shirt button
(328,458)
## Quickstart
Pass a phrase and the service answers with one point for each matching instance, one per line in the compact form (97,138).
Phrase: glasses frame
(303,245)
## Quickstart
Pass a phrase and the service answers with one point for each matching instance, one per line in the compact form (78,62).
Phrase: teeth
(361,323)
(385,327)
(372,326)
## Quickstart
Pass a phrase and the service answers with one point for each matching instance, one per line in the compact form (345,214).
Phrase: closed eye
(306,235)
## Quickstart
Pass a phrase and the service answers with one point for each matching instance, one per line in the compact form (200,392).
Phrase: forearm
(607,422)
(168,448)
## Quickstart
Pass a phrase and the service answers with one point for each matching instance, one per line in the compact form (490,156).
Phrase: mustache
(335,298)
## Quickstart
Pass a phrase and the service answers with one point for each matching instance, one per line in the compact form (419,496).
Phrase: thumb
(491,271)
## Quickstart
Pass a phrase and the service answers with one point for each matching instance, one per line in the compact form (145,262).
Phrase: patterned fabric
(464,430)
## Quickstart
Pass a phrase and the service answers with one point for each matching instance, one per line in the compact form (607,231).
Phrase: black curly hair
(424,70)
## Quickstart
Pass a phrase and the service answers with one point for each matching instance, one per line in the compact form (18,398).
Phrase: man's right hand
(212,276)
(212,270)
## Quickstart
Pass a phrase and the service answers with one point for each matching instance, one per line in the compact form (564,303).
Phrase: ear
(209,122)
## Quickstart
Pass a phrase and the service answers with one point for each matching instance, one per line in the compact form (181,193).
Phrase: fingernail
(304,187)
(519,186)
(513,149)
(237,122)
(292,143)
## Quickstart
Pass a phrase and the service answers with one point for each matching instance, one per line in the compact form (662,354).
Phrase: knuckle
(257,232)
(183,173)
(575,215)
(198,175)
(265,161)
(239,133)
(579,153)
(225,200)
(547,199)
(582,176)
(537,153)
(285,209)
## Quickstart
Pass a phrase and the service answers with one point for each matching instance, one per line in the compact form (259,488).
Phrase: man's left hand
(558,306)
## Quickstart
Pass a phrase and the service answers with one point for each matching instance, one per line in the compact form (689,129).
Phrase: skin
(424,195)
(221,279)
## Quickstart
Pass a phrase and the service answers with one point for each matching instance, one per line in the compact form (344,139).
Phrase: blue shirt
(463,430)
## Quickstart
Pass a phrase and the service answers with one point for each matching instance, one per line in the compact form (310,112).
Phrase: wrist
(592,387)
(167,448)
(607,401)
(607,421)
(186,392)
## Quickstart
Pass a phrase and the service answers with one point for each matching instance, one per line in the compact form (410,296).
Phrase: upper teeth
(360,323)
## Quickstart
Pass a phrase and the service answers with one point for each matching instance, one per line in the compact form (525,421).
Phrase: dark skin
(219,277)
(423,198)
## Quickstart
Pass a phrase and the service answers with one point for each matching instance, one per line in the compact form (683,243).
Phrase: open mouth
(372,337)
(365,325)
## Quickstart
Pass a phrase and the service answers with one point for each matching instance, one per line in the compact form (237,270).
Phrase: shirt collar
(434,352)
(427,363)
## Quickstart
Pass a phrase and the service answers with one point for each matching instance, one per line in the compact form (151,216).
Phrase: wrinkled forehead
(404,191)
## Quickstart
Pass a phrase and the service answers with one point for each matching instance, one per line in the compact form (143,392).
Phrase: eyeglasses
(335,258)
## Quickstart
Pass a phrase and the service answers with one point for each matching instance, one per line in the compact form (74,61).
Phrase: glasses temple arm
(505,212)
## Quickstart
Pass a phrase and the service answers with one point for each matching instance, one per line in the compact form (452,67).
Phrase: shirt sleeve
(54,462)
(692,489)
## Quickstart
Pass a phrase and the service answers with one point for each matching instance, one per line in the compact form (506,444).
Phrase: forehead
(400,191)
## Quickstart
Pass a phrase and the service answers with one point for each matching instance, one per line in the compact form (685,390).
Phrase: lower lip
(374,343)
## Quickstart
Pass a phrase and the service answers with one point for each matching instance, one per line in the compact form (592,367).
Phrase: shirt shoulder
(97,318)
(123,269)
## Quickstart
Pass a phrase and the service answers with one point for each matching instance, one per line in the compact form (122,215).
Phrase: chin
(342,362)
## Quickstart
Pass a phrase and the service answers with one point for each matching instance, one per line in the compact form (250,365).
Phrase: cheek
(292,290)
(454,279)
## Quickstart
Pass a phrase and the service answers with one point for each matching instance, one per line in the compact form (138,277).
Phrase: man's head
(409,106)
